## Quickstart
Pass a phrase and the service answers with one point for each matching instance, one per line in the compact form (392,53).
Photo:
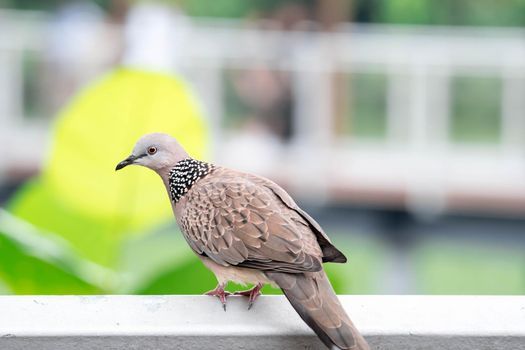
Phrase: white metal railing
(198,322)
(416,162)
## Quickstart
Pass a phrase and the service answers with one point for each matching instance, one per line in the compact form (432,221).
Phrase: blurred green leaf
(147,259)
(4,289)
(91,239)
(32,261)
(452,12)
(75,220)
(188,276)
(78,196)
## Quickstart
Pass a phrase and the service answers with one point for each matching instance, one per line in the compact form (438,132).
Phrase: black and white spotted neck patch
(184,174)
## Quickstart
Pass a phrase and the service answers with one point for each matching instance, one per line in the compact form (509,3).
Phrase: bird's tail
(314,299)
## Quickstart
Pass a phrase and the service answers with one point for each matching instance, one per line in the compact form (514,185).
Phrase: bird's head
(155,151)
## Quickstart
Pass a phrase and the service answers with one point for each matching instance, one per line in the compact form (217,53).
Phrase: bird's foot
(220,293)
(252,294)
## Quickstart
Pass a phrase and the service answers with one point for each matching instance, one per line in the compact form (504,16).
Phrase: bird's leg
(252,294)
(220,293)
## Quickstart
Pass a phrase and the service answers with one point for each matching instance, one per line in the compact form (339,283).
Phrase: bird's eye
(152,150)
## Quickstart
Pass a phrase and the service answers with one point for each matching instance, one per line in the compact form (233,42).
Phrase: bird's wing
(330,252)
(235,221)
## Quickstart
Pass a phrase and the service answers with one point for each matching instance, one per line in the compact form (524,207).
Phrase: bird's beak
(126,162)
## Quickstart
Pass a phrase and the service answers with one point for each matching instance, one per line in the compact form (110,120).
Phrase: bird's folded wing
(235,221)
(330,252)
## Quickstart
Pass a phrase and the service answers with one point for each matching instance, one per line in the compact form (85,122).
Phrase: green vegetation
(367,106)
(70,230)
(443,12)
(37,262)
(162,263)
(449,267)
(476,109)
(451,12)
(63,239)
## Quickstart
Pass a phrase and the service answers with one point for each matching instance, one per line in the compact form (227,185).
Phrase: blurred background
(398,124)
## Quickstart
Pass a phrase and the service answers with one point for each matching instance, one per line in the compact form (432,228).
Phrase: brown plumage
(247,229)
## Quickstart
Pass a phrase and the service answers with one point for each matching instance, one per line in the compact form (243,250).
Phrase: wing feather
(235,221)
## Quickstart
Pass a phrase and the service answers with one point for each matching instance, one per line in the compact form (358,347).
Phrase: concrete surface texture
(198,322)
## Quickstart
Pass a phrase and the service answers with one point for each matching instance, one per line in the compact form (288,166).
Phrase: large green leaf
(4,289)
(36,262)
(79,214)
(79,196)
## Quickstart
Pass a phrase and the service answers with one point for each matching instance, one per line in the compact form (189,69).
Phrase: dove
(248,230)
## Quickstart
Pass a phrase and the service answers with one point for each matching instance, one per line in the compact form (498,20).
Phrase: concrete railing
(198,322)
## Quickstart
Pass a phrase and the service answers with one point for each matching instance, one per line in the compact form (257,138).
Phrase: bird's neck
(184,175)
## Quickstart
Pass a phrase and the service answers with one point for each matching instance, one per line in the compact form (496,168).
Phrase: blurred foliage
(449,267)
(36,262)
(476,108)
(160,262)
(443,12)
(79,201)
(79,228)
(189,276)
(227,9)
(3,288)
(65,239)
(450,12)
(33,262)
(367,106)
(79,188)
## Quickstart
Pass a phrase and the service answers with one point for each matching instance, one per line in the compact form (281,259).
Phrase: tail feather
(314,299)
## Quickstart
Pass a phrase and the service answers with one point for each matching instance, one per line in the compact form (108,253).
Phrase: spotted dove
(247,229)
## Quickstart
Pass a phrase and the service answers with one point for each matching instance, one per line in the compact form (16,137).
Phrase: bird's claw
(252,294)
(220,293)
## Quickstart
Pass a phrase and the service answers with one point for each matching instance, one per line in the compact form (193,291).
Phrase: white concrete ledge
(198,322)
